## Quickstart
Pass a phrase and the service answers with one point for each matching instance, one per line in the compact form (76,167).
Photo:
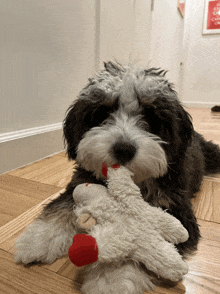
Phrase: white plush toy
(119,225)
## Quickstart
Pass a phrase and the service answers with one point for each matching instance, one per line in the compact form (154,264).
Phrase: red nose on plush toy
(84,250)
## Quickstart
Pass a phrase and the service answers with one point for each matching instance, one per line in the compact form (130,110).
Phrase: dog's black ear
(88,111)
(180,131)
(185,125)
(168,119)
(81,116)
(73,127)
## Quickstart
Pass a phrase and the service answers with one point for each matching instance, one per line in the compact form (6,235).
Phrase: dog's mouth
(122,142)
(142,169)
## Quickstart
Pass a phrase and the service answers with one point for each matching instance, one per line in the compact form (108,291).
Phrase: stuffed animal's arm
(90,201)
(115,243)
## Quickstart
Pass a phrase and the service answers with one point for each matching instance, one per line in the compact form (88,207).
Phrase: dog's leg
(50,235)
(182,210)
(111,278)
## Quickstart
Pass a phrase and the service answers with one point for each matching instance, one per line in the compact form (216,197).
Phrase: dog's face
(130,117)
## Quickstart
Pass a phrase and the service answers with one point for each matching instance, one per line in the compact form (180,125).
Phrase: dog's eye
(160,123)
(100,114)
(153,121)
(95,113)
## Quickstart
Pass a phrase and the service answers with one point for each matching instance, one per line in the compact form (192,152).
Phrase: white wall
(116,30)
(167,39)
(142,35)
(131,33)
(125,28)
(46,54)
(201,72)
(48,49)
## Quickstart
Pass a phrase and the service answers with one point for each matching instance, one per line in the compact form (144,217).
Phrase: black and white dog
(132,117)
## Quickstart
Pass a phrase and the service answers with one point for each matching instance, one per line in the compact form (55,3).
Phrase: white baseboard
(5,137)
(199,104)
(26,146)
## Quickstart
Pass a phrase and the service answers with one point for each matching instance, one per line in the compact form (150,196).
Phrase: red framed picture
(211,24)
(181,7)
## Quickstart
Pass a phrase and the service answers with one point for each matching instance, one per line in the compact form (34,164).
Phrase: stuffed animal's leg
(163,259)
(113,278)
(170,228)
(114,242)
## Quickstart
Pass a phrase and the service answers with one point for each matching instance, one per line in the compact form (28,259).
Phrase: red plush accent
(115,166)
(84,250)
(105,168)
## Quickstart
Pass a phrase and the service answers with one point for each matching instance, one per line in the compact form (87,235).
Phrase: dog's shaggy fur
(132,117)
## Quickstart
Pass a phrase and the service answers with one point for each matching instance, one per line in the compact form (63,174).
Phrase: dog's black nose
(123,152)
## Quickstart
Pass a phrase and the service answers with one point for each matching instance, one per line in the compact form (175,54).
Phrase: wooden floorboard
(9,231)
(206,123)
(206,204)
(55,170)
(24,191)
(33,279)
(18,195)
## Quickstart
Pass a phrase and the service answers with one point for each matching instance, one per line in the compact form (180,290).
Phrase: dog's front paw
(42,242)
(31,246)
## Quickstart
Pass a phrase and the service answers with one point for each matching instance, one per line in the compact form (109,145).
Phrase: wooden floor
(23,191)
